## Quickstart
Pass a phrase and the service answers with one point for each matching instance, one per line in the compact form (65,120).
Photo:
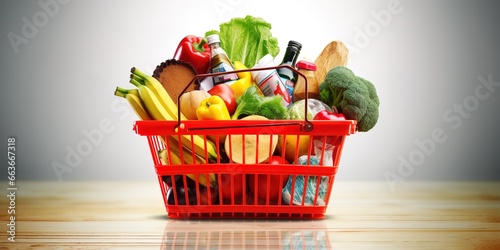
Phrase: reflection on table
(239,234)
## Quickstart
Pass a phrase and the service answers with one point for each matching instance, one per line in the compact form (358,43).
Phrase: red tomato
(275,186)
(204,196)
(226,93)
(237,186)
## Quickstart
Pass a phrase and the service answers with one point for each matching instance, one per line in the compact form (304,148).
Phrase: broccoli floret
(371,116)
(353,96)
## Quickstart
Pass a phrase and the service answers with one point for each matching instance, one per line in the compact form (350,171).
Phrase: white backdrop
(434,63)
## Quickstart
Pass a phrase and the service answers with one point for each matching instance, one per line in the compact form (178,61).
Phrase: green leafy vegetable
(272,108)
(247,39)
(251,103)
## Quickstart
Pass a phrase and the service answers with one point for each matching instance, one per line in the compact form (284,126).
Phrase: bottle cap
(303,64)
(213,39)
(295,44)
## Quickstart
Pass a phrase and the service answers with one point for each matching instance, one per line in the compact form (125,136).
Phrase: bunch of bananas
(150,101)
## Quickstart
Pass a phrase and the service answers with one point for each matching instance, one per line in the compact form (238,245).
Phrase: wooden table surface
(361,215)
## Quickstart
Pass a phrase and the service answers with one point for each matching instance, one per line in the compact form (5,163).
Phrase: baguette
(334,54)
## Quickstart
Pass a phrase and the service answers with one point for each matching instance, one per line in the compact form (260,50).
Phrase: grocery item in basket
(288,76)
(190,101)
(334,54)
(295,146)
(249,147)
(231,186)
(296,111)
(175,75)
(323,151)
(134,100)
(352,95)
(212,108)
(308,69)
(269,81)
(300,181)
(180,192)
(177,156)
(219,62)
(260,187)
(252,103)
(194,50)
(247,39)
(225,92)
(324,145)
(244,82)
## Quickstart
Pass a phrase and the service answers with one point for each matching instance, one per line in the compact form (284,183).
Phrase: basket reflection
(244,234)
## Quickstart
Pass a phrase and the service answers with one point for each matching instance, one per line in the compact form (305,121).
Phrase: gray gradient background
(426,59)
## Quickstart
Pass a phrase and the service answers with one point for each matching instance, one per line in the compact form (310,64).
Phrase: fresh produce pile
(334,91)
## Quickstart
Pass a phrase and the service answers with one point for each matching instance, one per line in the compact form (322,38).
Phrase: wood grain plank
(362,215)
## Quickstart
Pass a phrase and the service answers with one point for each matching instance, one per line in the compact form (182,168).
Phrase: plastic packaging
(296,111)
(309,185)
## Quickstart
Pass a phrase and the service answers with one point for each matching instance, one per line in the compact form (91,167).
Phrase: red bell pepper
(195,51)
(330,116)
(225,92)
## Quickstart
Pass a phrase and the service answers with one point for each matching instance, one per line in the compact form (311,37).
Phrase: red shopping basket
(219,187)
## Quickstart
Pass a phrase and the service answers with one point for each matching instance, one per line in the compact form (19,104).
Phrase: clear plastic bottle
(219,62)
(289,77)
(269,81)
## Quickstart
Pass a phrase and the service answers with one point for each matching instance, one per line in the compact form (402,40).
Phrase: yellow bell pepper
(212,108)
(244,82)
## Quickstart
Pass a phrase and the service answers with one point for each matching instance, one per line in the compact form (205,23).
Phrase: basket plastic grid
(247,206)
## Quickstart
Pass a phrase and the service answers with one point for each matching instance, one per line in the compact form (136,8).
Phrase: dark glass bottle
(289,77)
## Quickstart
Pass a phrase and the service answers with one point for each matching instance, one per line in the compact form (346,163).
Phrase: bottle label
(221,65)
(289,85)
(272,85)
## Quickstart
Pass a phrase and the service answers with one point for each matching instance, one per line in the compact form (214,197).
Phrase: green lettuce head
(247,39)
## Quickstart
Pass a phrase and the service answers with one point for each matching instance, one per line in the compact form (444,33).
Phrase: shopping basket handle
(308,124)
